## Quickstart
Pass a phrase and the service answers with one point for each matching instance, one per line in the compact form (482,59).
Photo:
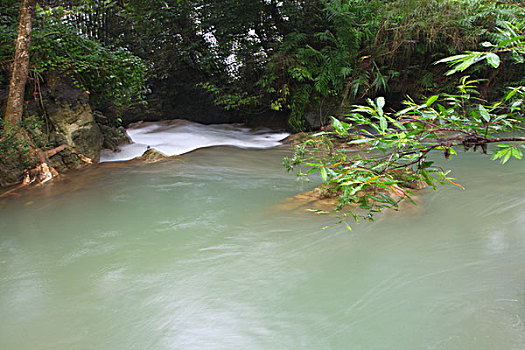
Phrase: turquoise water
(196,253)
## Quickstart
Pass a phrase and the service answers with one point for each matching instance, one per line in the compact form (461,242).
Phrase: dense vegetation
(111,73)
(304,60)
(399,145)
(308,59)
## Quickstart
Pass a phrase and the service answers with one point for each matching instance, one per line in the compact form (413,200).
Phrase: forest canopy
(305,59)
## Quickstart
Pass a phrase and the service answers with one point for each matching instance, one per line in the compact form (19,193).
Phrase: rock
(11,168)
(296,139)
(324,198)
(152,156)
(67,120)
(114,137)
(341,142)
(75,125)
(311,200)
(70,115)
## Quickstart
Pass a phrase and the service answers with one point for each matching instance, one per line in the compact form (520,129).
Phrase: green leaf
(380,101)
(517,153)
(510,94)
(465,62)
(452,58)
(338,126)
(324,174)
(484,113)
(426,164)
(358,141)
(504,153)
(517,57)
(387,199)
(320,133)
(493,60)
(507,156)
(383,123)
(511,40)
(431,100)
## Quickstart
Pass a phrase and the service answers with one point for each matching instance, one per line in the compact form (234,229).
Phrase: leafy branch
(398,145)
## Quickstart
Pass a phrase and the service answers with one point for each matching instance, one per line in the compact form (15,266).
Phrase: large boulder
(75,125)
(71,116)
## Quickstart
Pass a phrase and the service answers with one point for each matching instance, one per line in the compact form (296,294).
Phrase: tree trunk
(15,100)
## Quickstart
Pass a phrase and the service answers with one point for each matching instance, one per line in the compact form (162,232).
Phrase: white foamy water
(176,137)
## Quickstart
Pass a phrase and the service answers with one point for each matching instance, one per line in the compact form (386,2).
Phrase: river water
(196,253)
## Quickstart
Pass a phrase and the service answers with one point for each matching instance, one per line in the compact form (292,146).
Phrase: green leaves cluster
(399,145)
(229,101)
(353,50)
(511,39)
(12,146)
(112,75)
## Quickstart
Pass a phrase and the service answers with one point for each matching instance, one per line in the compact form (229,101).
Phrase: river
(196,253)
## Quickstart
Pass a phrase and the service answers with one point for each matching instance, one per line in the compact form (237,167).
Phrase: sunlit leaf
(431,100)
(380,101)
(493,60)
(484,113)
(324,174)
(506,157)
(383,123)
(453,58)
(338,126)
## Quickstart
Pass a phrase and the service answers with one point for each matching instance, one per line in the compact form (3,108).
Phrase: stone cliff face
(74,125)
(71,117)
(68,120)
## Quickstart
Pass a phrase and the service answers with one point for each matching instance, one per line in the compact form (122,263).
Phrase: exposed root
(50,153)
(44,173)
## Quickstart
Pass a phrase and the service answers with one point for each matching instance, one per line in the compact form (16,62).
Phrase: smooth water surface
(194,253)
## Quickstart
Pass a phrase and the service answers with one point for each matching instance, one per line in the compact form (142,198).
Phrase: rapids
(181,136)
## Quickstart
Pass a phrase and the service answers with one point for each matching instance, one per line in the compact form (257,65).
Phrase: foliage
(230,101)
(13,146)
(511,39)
(308,58)
(360,49)
(403,141)
(111,74)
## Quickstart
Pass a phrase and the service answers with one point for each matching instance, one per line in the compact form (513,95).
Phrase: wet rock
(324,198)
(114,137)
(338,141)
(75,125)
(406,179)
(311,200)
(11,168)
(296,139)
(151,156)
